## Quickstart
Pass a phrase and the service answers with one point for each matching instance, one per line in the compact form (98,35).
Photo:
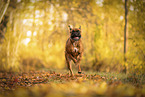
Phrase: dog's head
(75,33)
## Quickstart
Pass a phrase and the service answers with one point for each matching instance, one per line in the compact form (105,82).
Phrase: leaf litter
(49,84)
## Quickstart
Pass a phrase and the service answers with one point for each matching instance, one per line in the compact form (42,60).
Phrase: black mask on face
(75,34)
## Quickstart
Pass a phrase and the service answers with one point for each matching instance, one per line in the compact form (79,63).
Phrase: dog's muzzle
(76,36)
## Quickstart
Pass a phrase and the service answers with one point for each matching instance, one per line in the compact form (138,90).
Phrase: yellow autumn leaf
(3,80)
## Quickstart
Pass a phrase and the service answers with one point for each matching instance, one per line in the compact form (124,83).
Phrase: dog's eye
(73,31)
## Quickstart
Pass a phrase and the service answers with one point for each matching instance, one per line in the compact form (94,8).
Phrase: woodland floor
(52,83)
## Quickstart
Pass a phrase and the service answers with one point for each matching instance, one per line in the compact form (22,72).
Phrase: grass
(108,76)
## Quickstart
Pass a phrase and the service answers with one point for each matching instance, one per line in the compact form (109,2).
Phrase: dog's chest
(75,47)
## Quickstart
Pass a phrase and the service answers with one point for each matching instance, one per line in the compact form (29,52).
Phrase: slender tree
(125,35)
(3,10)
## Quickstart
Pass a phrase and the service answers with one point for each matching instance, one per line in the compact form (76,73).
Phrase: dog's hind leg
(70,69)
(79,57)
(68,64)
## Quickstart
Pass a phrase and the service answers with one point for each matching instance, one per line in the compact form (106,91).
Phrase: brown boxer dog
(74,49)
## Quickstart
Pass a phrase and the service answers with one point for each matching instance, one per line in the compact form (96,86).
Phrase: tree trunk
(3,10)
(125,36)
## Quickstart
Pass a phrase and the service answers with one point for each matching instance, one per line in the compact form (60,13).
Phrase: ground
(55,83)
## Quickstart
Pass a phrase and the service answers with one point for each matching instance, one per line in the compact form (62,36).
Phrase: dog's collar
(72,41)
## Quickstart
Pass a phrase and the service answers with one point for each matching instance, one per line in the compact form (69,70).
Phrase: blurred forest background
(33,34)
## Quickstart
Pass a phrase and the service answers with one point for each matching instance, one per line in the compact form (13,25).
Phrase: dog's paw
(79,72)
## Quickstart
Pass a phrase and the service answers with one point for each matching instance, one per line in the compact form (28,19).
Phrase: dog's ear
(69,27)
(80,27)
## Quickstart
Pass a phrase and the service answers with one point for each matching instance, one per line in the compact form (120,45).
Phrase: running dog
(74,49)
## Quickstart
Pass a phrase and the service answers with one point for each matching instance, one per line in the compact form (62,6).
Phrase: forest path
(50,83)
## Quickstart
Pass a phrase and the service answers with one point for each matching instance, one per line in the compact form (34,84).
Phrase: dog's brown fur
(73,51)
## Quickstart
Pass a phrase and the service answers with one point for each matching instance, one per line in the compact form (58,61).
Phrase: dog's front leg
(72,58)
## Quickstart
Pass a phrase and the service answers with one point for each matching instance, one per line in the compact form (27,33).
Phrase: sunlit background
(37,31)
